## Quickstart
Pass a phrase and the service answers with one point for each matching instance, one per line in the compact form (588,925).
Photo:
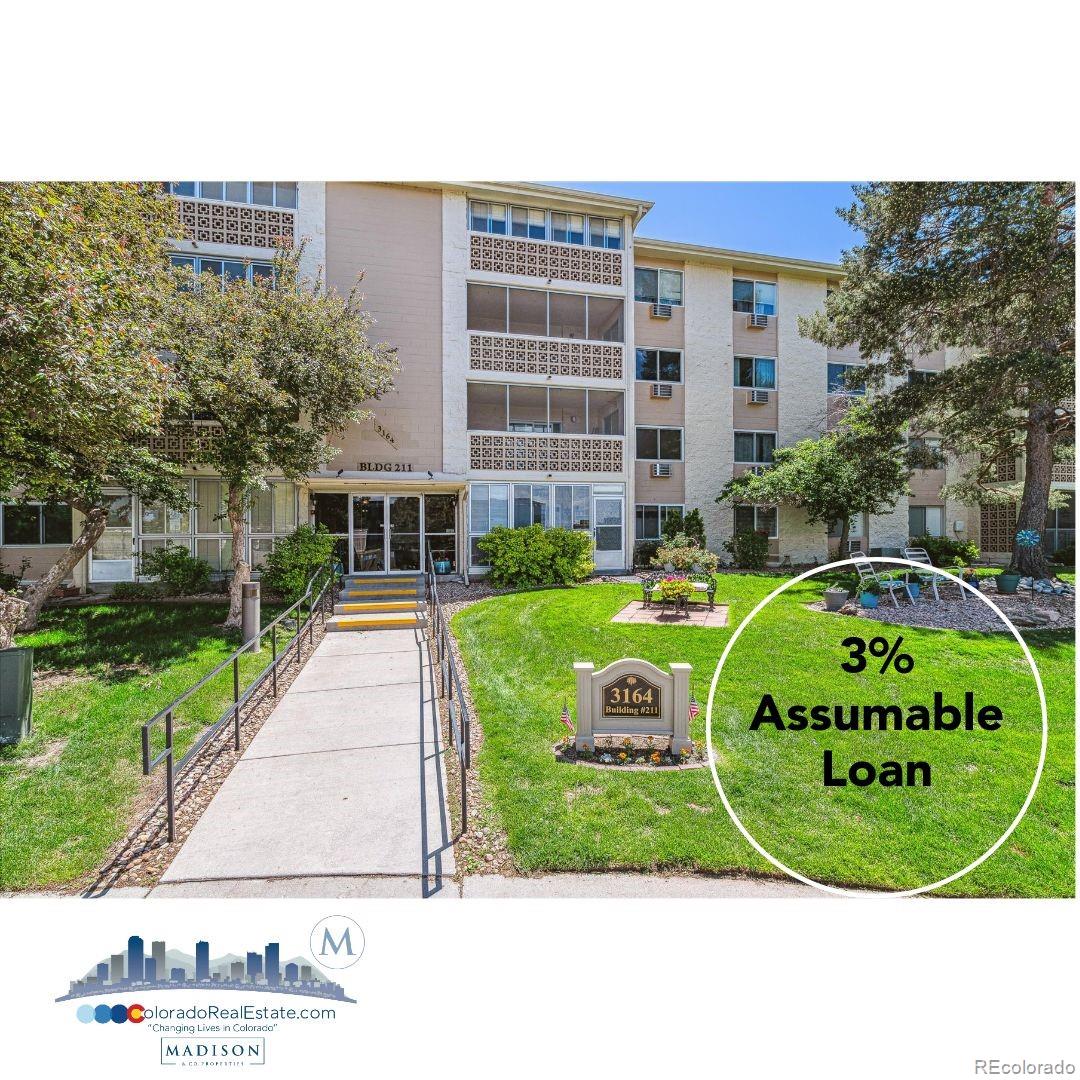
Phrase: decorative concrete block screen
(633,697)
(228,223)
(536,258)
(1063,472)
(540,356)
(997,526)
(185,443)
(546,453)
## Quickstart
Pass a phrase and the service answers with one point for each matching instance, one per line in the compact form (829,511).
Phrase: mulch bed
(613,753)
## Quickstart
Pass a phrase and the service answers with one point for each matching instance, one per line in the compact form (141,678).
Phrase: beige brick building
(556,367)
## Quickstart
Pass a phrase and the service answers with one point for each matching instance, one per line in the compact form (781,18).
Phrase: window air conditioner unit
(661,311)
(661,468)
(757,470)
(757,397)
(757,322)
(854,546)
(660,390)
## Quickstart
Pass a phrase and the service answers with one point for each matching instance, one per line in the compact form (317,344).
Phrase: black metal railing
(324,581)
(448,683)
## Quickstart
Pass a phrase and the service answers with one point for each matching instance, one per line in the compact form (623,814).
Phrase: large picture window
(283,193)
(755,372)
(838,381)
(926,521)
(225,269)
(650,519)
(659,365)
(502,310)
(35,524)
(658,286)
(559,410)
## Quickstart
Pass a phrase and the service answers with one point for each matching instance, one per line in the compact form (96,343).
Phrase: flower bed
(630,753)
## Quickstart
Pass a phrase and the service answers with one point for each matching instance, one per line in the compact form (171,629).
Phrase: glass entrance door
(404,534)
(368,534)
(608,532)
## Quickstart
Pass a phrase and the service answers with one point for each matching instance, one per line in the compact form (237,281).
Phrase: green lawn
(101,670)
(519,650)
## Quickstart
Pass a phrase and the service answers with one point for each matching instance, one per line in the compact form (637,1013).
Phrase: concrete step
(383,579)
(359,606)
(349,595)
(377,620)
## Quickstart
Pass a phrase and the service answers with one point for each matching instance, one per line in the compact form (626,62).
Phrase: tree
(281,365)
(83,290)
(859,468)
(691,525)
(987,268)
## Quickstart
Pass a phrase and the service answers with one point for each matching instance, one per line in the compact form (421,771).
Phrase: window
(571,507)
(487,217)
(528,222)
(753,297)
(838,382)
(605,232)
(567,228)
(210,512)
(1061,525)
(498,309)
(918,376)
(283,193)
(489,507)
(761,519)
(929,446)
(658,286)
(34,524)
(755,372)
(754,447)
(659,444)
(651,519)
(926,520)
(659,365)
(157,519)
(226,269)
(522,407)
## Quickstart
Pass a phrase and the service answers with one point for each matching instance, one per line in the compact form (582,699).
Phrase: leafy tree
(858,468)
(987,268)
(83,290)
(282,365)
(692,525)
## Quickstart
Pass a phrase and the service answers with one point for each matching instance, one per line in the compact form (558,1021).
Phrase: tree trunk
(241,571)
(95,519)
(845,528)
(11,612)
(1039,454)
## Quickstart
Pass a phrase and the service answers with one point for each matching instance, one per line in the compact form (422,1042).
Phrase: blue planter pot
(868,600)
(913,588)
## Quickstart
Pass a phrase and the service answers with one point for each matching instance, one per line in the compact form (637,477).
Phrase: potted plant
(675,588)
(869,591)
(836,596)
(1008,581)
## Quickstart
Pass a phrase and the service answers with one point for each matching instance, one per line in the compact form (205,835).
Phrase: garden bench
(700,581)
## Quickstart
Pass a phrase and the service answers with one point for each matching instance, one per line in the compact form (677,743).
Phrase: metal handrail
(449,687)
(175,768)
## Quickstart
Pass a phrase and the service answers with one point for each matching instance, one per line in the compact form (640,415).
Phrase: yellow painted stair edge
(409,620)
(400,605)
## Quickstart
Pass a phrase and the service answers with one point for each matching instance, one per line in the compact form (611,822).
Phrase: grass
(101,671)
(519,650)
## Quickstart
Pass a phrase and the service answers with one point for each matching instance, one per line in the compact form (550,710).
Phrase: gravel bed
(1045,612)
(144,854)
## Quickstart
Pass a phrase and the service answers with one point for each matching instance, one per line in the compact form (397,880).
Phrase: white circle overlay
(331,923)
(836,890)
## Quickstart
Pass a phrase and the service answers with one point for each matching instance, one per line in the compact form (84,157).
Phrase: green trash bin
(16,694)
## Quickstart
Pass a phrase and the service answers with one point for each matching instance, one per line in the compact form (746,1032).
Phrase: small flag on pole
(564,716)
(695,708)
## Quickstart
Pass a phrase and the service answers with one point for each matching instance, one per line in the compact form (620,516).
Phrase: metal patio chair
(920,555)
(866,571)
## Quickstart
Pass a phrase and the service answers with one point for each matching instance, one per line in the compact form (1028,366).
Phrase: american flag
(695,708)
(564,716)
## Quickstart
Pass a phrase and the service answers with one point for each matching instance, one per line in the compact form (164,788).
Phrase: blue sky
(794,219)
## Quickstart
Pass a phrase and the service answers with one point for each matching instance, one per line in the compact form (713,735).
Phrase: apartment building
(556,368)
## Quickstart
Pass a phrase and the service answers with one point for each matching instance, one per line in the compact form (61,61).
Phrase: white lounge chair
(920,555)
(867,572)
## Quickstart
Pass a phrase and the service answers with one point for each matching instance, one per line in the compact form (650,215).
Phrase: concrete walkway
(342,792)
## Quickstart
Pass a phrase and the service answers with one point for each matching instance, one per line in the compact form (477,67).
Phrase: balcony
(546,453)
(544,259)
(545,356)
(241,224)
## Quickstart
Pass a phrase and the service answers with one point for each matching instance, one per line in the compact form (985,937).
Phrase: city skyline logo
(259,971)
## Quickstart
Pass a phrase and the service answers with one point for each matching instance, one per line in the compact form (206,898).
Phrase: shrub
(683,554)
(1065,555)
(180,572)
(522,558)
(10,580)
(691,525)
(749,550)
(645,551)
(943,551)
(296,558)
(133,590)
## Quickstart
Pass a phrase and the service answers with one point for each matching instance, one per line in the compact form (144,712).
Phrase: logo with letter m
(336,941)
